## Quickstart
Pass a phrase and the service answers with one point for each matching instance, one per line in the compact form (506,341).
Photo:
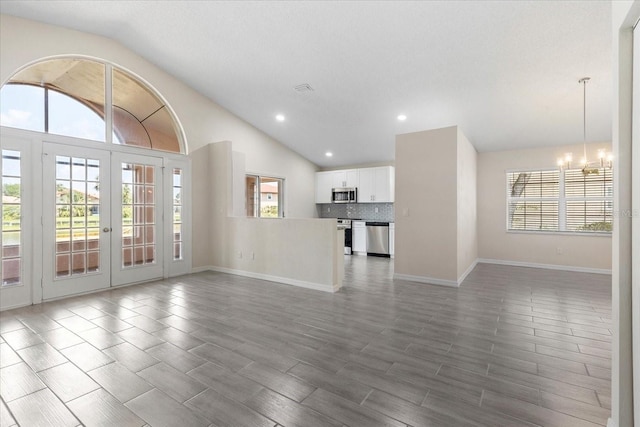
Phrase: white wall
(635,244)
(425,206)
(625,272)
(436,222)
(25,41)
(285,250)
(467,232)
(495,243)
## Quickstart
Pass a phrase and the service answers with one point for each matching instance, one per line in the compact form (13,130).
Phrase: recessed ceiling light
(328,154)
(280,118)
(402,117)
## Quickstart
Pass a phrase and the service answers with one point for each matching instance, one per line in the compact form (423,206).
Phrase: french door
(101,219)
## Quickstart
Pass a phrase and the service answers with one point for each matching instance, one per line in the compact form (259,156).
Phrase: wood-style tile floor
(511,347)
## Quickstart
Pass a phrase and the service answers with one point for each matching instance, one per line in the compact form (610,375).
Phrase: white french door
(16,232)
(137,237)
(102,215)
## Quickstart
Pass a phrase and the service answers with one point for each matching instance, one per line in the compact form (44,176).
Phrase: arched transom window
(88,99)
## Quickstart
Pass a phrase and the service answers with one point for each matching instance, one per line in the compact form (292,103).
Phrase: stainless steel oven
(345,224)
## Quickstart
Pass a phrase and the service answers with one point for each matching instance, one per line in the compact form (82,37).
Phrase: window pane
(534,184)
(177,214)
(140,118)
(22,107)
(138,209)
(76,95)
(11,236)
(533,216)
(600,184)
(252,202)
(270,197)
(70,117)
(10,163)
(589,216)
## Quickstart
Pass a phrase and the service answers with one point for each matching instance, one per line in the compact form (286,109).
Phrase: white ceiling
(506,72)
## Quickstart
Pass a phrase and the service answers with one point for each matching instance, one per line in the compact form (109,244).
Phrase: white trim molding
(425,279)
(611,423)
(545,266)
(195,270)
(466,273)
(269,278)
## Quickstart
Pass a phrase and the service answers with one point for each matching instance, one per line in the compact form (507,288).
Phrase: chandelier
(605,160)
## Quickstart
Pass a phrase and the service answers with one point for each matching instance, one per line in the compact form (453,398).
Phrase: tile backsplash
(365,211)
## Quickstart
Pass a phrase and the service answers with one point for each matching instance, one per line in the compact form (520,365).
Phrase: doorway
(102,219)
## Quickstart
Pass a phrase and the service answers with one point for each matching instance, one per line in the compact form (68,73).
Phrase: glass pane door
(15,233)
(76,220)
(136,243)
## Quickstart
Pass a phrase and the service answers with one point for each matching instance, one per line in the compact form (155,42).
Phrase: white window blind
(589,200)
(568,201)
(533,200)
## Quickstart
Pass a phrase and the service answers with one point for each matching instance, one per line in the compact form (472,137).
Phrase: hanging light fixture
(605,160)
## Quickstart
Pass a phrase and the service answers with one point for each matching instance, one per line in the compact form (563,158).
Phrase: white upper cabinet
(345,178)
(377,185)
(324,184)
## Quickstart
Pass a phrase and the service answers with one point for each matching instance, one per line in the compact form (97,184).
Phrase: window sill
(561,233)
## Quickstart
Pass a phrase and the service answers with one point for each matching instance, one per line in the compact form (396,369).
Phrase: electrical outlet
(328,208)
(376,210)
(405,212)
(559,250)
(239,254)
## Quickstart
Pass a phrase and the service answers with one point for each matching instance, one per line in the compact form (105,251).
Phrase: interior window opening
(264,196)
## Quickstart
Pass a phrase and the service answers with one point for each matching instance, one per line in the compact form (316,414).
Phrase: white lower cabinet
(392,238)
(359,236)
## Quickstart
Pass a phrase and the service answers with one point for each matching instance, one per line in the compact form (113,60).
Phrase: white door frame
(635,227)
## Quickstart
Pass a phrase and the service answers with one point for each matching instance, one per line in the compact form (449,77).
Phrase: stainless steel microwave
(344,195)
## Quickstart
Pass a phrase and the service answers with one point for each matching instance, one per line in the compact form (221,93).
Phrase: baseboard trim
(545,266)
(201,269)
(611,423)
(425,279)
(20,305)
(466,273)
(270,278)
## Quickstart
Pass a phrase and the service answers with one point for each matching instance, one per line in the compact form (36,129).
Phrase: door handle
(107,229)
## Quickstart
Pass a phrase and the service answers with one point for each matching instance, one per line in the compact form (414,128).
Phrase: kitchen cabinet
(359,236)
(392,239)
(376,185)
(346,178)
(324,184)
(326,181)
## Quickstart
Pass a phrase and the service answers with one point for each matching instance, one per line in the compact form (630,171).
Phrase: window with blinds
(533,200)
(568,201)
(589,200)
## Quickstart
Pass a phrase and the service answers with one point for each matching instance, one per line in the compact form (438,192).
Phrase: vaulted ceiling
(506,72)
